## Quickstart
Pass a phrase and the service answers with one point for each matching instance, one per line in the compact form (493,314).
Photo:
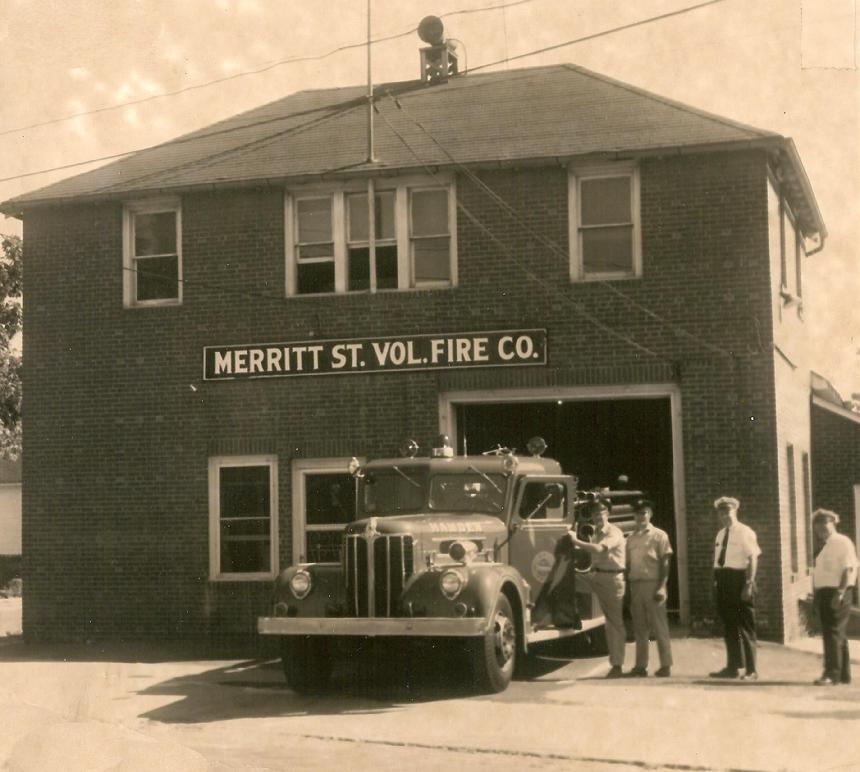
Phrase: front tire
(307,662)
(494,657)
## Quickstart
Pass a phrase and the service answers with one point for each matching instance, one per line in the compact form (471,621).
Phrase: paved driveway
(146,707)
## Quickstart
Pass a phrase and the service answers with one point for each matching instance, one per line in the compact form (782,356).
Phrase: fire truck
(472,548)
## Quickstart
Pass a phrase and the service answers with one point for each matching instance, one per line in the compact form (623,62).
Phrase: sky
(788,66)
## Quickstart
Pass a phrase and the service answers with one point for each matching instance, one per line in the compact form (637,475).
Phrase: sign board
(443,351)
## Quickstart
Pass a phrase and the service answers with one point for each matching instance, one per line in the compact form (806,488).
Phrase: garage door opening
(596,440)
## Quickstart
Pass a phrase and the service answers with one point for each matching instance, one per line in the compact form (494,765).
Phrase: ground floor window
(323,503)
(243,510)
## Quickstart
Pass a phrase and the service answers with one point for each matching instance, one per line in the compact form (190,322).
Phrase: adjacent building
(213,330)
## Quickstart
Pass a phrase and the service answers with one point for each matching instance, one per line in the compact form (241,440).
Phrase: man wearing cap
(648,555)
(606,579)
(736,554)
(833,579)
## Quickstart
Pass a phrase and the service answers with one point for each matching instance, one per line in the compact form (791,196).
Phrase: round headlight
(300,584)
(451,584)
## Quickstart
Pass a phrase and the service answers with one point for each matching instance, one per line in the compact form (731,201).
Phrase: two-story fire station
(216,326)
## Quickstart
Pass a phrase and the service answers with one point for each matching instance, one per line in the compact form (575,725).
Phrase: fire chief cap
(726,501)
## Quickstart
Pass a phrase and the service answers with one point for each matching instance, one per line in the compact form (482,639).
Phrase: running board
(554,633)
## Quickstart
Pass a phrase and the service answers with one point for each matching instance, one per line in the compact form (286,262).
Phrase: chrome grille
(376,569)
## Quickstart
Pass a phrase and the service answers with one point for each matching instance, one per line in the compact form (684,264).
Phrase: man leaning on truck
(606,579)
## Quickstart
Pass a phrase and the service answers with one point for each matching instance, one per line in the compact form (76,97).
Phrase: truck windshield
(468,492)
(394,491)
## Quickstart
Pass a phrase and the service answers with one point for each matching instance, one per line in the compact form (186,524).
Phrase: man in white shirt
(606,579)
(833,580)
(648,557)
(736,554)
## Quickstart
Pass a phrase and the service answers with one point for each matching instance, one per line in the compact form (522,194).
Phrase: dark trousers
(738,617)
(834,619)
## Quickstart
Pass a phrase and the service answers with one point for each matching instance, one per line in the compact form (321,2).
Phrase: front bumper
(371,627)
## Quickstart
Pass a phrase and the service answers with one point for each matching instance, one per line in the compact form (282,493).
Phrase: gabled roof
(533,115)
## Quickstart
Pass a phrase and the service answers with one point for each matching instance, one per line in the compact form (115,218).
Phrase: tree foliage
(10,359)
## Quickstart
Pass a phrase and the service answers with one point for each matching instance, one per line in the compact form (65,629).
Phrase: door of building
(597,440)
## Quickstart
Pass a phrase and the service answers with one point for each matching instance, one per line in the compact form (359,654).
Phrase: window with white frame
(243,507)
(331,249)
(323,504)
(605,231)
(152,253)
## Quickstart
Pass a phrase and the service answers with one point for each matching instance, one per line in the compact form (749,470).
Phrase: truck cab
(443,546)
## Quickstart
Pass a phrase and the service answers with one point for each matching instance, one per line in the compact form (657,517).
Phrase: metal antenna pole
(370,158)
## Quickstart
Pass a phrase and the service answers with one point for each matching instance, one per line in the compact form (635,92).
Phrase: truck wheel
(307,662)
(494,656)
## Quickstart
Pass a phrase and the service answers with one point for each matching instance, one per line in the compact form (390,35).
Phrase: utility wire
(527,271)
(362,100)
(552,245)
(631,25)
(245,73)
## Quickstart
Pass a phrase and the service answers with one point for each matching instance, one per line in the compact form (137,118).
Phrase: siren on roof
(439,58)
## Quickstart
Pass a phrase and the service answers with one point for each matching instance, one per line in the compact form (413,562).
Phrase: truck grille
(376,569)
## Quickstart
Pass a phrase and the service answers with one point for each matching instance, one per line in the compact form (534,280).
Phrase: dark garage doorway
(596,440)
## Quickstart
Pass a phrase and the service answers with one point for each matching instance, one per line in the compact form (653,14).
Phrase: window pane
(245,491)
(429,212)
(247,556)
(329,498)
(316,277)
(384,216)
(155,234)
(358,271)
(605,200)
(432,262)
(608,250)
(314,219)
(307,251)
(323,546)
(386,267)
(157,278)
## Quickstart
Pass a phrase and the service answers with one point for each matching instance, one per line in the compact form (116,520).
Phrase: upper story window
(605,232)
(152,253)
(331,248)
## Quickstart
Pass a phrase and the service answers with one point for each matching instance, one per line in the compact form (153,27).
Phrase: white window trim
(338,191)
(576,174)
(216,463)
(301,468)
(129,283)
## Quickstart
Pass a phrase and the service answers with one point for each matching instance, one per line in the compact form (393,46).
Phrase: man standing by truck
(606,579)
(648,555)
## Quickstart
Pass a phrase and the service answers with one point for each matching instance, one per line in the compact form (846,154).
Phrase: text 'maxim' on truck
(472,549)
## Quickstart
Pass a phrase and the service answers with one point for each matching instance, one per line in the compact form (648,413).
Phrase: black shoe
(615,672)
(663,672)
(825,681)
(753,676)
(726,672)
(636,672)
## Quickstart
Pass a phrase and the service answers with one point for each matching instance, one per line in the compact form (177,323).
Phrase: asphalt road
(143,707)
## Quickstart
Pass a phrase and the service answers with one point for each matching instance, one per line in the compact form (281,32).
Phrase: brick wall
(115,470)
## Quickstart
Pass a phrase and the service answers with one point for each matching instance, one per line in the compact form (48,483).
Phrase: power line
(555,248)
(631,25)
(528,272)
(245,73)
(402,88)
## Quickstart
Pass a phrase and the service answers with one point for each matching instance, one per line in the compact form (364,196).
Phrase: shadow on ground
(378,679)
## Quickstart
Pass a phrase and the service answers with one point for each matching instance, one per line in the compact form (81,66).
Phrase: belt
(609,570)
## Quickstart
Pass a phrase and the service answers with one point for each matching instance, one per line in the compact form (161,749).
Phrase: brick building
(210,334)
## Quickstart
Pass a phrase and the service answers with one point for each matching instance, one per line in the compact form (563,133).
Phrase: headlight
(300,584)
(451,584)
